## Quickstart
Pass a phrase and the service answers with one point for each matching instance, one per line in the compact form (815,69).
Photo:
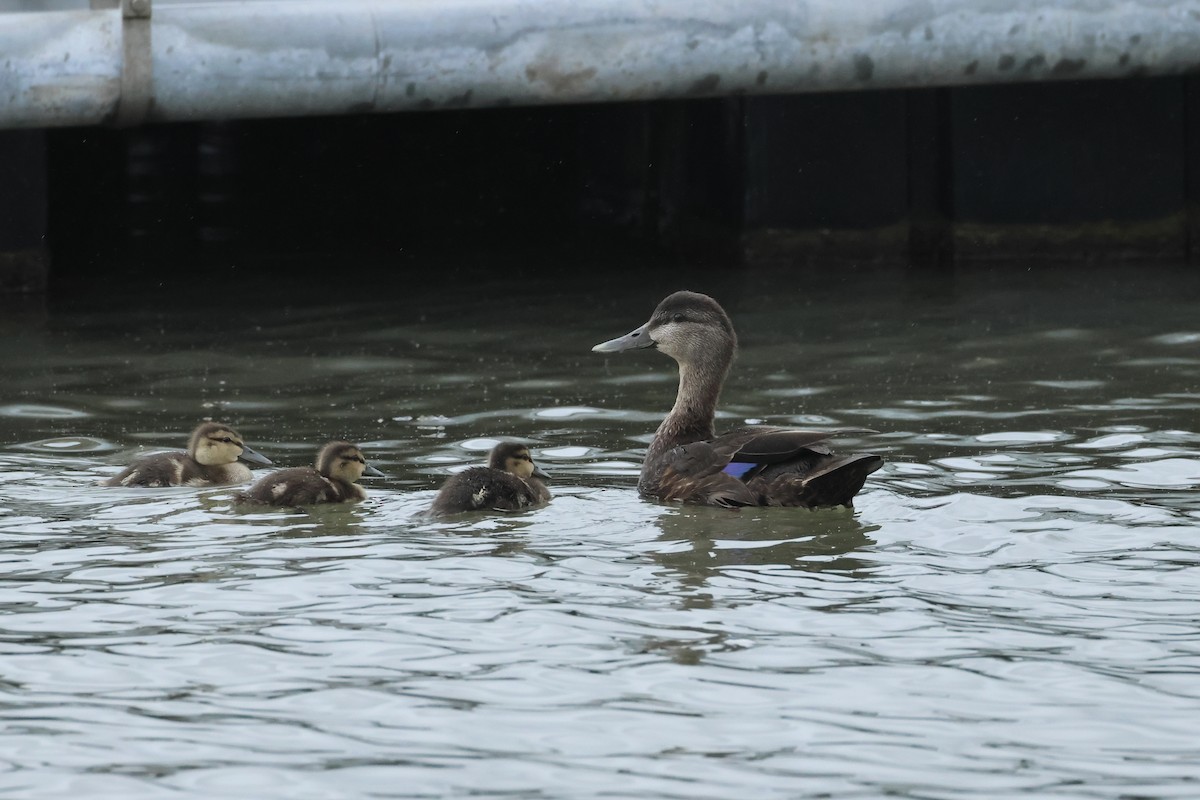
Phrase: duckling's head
(344,461)
(514,458)
(214,444)
(690,327)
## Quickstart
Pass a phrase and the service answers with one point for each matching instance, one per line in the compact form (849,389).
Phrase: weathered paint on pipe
(60,68)
(294,58)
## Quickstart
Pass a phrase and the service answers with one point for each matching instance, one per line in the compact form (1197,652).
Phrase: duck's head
(214,444)
(515,458)
(344,461)
(691,328)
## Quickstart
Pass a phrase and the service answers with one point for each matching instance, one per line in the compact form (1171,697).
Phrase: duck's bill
(372,472)
(634,340)
(538,472)
(251,456)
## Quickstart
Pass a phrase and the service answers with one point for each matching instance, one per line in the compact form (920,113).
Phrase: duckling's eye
(677,317)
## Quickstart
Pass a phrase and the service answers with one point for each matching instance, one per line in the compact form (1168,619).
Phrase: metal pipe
(291,57)
(59,68)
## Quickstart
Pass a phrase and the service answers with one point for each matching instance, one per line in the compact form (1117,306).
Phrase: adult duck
(212,456)
(510,482)
(334,479)
(749,466)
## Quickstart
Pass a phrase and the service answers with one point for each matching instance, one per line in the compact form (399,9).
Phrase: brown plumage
(510,482)
(211,459)
(750,466)
(333,480)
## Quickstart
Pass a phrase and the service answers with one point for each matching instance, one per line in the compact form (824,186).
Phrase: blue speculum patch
(738,468)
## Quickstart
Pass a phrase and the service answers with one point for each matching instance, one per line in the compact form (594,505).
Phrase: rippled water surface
(1012,610)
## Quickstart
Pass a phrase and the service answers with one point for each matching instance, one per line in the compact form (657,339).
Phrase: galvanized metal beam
(294,58)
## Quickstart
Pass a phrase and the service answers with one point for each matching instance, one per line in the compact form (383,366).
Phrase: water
(1011,611)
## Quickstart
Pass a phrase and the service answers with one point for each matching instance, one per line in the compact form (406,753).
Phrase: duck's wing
(783,466)
(155,470)
(748,448)
(762,466)
(485,489)
(692,473)
(294,487)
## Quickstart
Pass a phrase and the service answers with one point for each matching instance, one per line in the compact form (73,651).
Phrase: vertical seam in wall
(137,65)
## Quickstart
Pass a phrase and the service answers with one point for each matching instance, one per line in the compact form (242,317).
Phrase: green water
(1010,611)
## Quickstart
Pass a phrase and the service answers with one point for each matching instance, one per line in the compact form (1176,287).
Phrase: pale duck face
(348,465)
(345,462)
(690,327)
(515,459)
(217,446)
(520,464)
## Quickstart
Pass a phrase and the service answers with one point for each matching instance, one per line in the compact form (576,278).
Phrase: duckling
(749,466)
(339,465)
(510,482)
(211,458)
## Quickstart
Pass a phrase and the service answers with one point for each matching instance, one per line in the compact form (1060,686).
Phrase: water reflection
(705,544)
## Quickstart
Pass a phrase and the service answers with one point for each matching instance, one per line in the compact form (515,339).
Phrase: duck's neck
(691,418)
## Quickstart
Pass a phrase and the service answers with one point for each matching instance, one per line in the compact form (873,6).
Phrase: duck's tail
(835,482)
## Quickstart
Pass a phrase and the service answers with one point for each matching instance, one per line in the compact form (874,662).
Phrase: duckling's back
(488,489)
(177,469)
(301,486)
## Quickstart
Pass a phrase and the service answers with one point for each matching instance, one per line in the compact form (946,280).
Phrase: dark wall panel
(835,160)
(1104,169)
(1069,152)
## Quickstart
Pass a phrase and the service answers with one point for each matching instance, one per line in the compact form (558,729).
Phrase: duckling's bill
(636,339)
(371,472)
(252,456)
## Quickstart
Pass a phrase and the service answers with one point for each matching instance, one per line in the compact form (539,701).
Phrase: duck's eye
(225,439)
(677,317)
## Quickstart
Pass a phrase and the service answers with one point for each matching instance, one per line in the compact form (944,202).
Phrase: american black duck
(749,466)
(333,480)
(510,482)
(212,456)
